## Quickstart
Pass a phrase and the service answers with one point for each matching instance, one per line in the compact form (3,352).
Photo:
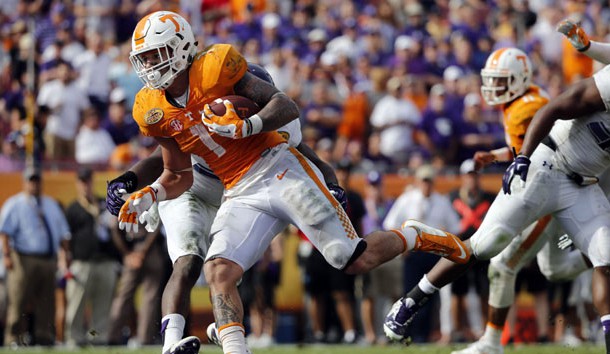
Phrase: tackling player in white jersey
(506,78)
(566,148)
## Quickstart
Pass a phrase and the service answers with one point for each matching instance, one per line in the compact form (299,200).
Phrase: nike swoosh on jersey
(463,254)
(281,175)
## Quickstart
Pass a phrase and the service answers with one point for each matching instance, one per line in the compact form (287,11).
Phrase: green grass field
(325,349)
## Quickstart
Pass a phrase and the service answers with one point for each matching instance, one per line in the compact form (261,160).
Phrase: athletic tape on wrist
(160,190)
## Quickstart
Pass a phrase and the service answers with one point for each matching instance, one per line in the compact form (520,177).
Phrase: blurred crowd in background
(384,86)
(387,84)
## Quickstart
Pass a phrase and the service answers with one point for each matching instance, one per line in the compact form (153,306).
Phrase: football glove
(151,218)
(137,205)
(117,188)
(520,166)
(230,125)
(575,34)
(339,194)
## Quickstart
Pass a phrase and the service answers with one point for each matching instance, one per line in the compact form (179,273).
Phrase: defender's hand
(519,167)
(230,125)
(339,194)
(133,209)
(117,188)
(482,159)
(575,34)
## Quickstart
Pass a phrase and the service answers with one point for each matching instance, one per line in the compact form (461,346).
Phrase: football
(244,106)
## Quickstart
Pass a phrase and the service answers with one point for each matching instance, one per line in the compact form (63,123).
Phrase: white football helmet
(171,36)
(506,76)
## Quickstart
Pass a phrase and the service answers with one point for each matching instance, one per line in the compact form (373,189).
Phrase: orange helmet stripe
(495,58)
(140,32)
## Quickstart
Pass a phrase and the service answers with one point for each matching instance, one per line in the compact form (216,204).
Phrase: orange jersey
(212,74)
(575,65)
(519,113)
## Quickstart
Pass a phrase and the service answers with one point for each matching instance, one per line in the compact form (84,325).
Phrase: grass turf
(323,349)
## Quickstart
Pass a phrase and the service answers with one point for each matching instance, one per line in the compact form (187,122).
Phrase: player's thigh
(505,219)
(523,247)
(187,221)
(303,199)
(241,233)
(587,221)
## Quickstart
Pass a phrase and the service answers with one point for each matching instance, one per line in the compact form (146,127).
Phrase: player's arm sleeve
(599,51)
(228,64)
(602,81)
(146,117)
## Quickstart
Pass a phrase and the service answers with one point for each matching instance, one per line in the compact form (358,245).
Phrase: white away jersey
(583,145)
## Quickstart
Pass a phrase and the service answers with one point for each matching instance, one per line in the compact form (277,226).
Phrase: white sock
(233,339)
(409,236)
(492,335)
(427,287)
(173,331)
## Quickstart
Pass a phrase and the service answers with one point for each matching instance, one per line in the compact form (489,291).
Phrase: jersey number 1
(207,140)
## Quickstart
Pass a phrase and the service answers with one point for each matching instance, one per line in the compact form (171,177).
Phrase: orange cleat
(439,242)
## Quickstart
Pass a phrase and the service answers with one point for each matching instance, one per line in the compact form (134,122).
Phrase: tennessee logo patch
(176,125)
(153,116)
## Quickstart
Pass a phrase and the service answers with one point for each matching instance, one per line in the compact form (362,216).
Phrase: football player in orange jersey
(267,184)
(187,220)
(506,82)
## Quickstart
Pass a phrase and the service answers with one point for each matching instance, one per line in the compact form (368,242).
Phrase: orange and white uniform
(267,183)
(518,114)
(188,219)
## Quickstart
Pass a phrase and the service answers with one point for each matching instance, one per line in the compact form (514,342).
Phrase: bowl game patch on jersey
(153,116)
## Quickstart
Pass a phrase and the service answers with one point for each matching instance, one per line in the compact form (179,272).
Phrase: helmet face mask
(507,75)
(163,45)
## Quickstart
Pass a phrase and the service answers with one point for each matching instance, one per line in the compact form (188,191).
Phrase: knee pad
(598,248)
(501,286)
(337,254)
(488,243)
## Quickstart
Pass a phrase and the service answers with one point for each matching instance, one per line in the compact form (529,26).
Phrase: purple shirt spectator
(438,126)
(322,113)
(475,132)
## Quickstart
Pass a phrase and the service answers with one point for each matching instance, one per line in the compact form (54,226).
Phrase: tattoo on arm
(277,108)
(255,89)
(225,310)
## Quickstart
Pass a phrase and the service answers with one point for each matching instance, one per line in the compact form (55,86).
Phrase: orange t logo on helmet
(171,17)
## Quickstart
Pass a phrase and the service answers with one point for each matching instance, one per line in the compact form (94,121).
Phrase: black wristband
(130,179)
(585,48)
